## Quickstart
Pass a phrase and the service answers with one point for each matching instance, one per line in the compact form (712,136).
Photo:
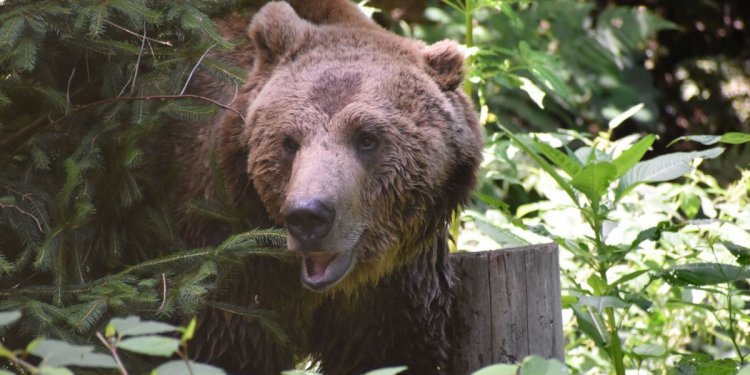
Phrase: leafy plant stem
(469,41)
(732,333)
(112,350)
(615,345)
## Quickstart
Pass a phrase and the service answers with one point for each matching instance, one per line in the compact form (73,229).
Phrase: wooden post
(507,307)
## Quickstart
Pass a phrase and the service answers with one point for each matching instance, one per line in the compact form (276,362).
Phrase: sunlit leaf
(179,367)
(559,158)
(387,371)
(599,303)
(705,274)
(593,180)
(632,155)
(58,353)
(9,317)
(664,168)
(498,369)
(536,365)
(619,119)
(151,345)
(134,326)
(650,350)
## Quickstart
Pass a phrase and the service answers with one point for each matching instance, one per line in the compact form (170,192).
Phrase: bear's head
(360,142)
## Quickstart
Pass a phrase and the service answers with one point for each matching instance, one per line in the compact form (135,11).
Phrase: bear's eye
(367,142)
(290,146)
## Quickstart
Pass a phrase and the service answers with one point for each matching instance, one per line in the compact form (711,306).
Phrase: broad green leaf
(628,277)
(299,372)
(536,365)
(705,274)
(498,369)
(559,158)
(179,367)
(189,331)
(535,93)
(633,155)
(387,371)
(650,350)
(568,301)
(8,317)
(58,353)
(3,372)
(151,345)
(591,324)
(742,254)
(619,119)
(542,164)
(663,168)
(134,326)
(744,371)
(599,303)
(734,138)
(593,180)
(44,370)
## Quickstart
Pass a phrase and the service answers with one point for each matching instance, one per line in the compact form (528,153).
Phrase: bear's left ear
(446,63)
(276,30)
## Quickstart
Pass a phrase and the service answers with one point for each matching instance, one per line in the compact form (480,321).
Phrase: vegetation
(655,240)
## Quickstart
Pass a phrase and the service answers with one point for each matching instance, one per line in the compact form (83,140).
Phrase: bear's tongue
(317,263)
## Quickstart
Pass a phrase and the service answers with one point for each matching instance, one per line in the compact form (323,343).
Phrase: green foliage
(129,334)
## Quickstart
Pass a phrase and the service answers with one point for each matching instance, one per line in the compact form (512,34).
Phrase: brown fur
(325,84)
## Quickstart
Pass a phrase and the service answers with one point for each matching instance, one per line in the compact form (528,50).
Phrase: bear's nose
(309,220)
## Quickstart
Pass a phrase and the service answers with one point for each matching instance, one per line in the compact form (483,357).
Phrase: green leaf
(628,277)
(189,331)
(179,367)
(299,372)
(536,365)
(744,371)
(591,324)
(734,138)
(9,317)
(58,353)
(387,371)
(742,254)
(535,93)
(542,164)
(663,168)
(705,274)
(630,157)
(133,326)
(650,350)
(619,119)
(151,345)
(599,303)
(498,369)
(558,158)
(592,180)
(44,370)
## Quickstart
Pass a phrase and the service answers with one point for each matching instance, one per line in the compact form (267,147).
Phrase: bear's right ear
(276,29)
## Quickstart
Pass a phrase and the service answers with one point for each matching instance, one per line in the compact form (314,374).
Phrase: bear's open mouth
(322,270)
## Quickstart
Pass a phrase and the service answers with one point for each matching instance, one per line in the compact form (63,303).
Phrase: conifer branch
(139,36)
(190,76)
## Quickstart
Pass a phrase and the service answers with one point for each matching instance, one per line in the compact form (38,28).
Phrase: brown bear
(361,144)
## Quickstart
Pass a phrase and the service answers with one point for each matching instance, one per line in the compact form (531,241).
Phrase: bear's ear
(276,29)
(445,60)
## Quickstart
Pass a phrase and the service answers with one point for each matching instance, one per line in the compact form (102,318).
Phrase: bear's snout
(309,220)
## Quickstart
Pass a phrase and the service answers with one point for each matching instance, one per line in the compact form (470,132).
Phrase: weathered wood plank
(507,307)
